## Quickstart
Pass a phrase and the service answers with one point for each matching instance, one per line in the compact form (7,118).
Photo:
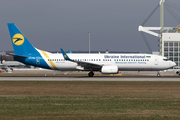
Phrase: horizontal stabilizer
(18,56)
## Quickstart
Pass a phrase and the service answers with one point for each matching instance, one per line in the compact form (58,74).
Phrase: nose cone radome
(173,64)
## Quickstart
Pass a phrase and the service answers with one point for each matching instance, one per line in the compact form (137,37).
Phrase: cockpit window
(165,59)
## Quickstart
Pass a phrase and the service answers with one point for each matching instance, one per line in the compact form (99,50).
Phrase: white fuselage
(125,62)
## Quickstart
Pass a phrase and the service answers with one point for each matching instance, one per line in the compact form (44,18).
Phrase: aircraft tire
(158,75)
(91,74)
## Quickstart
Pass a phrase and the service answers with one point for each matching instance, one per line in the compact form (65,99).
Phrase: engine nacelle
(109,69)
(177,72)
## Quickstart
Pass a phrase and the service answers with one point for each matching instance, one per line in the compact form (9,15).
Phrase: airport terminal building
(171,46)
(169,37)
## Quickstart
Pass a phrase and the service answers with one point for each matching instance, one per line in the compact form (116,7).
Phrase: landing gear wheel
(91,74)
(177,72)
(158,74)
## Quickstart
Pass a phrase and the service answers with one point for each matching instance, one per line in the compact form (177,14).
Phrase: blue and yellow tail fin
(20,43)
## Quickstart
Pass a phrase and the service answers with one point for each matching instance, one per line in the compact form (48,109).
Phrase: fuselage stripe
(51,62)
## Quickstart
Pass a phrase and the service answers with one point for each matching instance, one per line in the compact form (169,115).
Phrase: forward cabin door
(156,61)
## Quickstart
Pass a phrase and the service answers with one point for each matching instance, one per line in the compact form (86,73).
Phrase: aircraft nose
(173,64)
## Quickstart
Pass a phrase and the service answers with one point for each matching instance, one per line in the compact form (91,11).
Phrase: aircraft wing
(86,65)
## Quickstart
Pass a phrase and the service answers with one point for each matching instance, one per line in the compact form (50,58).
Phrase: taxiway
(79,78)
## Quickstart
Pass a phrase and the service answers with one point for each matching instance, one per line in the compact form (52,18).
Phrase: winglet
(65,55)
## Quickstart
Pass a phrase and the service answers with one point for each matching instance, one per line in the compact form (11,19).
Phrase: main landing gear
(177,72)
(91,74)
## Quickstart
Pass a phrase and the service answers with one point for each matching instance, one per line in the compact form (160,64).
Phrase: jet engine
(109,69)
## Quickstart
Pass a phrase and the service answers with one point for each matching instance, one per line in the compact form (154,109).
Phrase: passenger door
(156,61)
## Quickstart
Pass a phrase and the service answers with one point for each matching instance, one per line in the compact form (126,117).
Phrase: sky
(53,24)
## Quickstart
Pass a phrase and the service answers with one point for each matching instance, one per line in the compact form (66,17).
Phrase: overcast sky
(53,24)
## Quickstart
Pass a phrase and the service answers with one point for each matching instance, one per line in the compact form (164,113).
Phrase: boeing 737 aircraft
(26,53)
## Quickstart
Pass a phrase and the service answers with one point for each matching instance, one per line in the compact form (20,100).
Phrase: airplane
(26,53)
(69,51)
(4,66)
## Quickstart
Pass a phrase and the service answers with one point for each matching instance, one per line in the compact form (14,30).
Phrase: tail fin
(20,43)
(69,51)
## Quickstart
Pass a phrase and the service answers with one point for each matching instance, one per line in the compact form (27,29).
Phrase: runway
(79,78)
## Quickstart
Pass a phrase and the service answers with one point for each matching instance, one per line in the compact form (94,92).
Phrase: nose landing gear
(158,74)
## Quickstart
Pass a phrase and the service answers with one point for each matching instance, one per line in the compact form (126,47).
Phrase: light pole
(161,24)
(89,41)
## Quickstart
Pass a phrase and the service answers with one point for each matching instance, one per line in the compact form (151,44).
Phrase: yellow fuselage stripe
(51,62)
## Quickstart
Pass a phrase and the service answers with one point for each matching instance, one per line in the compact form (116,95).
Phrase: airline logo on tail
(18,39)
